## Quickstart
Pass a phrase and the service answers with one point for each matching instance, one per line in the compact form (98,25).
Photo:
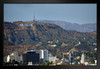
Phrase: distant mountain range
(89,27)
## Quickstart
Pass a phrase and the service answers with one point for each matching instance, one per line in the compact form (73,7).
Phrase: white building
(95,49)
(53,45)
(53,59)
(86,63)
(14,56)
(8,58)
(44,55)
(82,58)
(95,61)
(30,63)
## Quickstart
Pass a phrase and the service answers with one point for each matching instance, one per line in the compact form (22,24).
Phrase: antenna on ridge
(34,18)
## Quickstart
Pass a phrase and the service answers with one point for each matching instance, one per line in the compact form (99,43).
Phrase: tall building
(63,59)
(82,58)
(8,58)
(44,55)
(31,57)
(71,59)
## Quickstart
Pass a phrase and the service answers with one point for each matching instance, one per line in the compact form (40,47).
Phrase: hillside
(36,35)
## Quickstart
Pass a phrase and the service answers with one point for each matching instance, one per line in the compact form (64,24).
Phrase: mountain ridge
(88,27)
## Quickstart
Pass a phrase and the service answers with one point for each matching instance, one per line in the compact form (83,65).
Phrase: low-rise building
(15,56)
(52,58)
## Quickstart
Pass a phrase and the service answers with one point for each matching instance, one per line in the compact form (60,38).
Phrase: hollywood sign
(29,25)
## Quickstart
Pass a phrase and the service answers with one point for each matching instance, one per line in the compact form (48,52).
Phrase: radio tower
(34,18)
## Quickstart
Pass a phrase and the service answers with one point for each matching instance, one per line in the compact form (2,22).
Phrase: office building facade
(31,57)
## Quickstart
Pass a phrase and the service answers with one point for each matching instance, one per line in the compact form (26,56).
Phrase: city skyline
(74,13)
(29,55)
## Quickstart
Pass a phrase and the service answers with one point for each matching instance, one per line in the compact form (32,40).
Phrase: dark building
(31,57)
(71,59)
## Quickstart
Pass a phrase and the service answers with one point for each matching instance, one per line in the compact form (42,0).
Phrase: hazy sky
(74,13)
